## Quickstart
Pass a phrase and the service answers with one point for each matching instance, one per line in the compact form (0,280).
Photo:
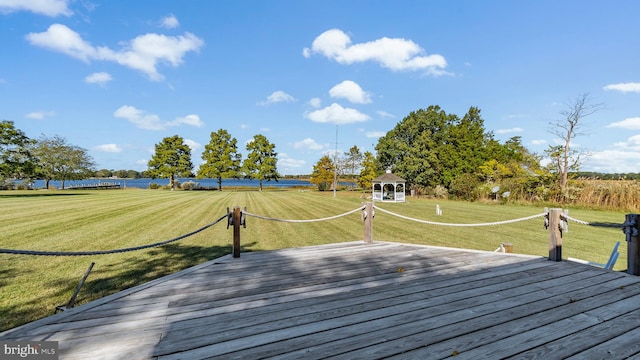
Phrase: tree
(367,171)
(465,147)
(221,158)
(564,157)
(16,160)
(352,160)
(171,159)
(261,162)
(323,173)
(59,160)
(410,148)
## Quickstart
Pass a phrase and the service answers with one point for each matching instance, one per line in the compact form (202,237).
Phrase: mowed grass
(32,286)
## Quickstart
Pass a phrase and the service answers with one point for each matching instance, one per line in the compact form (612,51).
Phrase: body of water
(145,183)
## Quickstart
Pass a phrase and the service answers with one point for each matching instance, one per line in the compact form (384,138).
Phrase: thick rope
(105,252)
(303,221)
(567,217)
(451,224)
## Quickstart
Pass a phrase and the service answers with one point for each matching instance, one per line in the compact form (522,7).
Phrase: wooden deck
(359,301)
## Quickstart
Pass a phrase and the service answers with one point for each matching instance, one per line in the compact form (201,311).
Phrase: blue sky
(116,77)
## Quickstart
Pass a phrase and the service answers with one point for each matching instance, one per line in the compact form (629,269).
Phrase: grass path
(31,287)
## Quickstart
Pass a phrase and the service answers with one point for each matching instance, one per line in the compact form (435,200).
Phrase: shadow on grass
(38,194)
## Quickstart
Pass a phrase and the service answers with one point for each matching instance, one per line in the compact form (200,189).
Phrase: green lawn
(32,286)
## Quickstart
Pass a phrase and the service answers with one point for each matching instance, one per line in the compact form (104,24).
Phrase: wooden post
(368,223)
(236,231)
(633,245)
(555,236)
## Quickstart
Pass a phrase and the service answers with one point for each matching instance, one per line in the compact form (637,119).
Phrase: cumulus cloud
(308,143)
(614,160)
(624,87)
(391,53)
(629,123)
(287,163)
(508,131)
(351,91)
(100,78)
(144,53)
(39,115)
(336,114)
(193,145)
(149,121)
(50,8)
(315,102)
(191,119)
(109,148)
(169,22)
(277,97)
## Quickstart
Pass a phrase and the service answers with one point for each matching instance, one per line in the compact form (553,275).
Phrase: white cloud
(392,53)
(629,123)
(100,78)
(148,121)
(336,114)
(50,8)
(538,142)
(192,119)
(375,134)
(384,114)
(315,102)
(284,161)
(309,144)
(613,161)
(507,131)
(169,22)
(39,115)
(110,148)
(143,53)
(351,91)
(277,97)
(624,87)
(195,146)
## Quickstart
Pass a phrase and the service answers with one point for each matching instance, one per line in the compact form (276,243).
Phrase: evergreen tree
(261,162)
(171,159)
(221,158)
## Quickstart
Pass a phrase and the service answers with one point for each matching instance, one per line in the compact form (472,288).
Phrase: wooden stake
(236,231)
(555,236)
(368,223)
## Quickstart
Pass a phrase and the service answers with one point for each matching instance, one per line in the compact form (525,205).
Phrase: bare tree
(564,157)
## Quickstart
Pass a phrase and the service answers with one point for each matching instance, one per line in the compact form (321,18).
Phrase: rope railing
(106,252)
(463,225)
(303,220)
(582,222)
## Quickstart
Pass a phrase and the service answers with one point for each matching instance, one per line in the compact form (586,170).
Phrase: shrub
(189,185)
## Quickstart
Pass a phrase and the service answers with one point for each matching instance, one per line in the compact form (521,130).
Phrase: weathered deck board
(359,301)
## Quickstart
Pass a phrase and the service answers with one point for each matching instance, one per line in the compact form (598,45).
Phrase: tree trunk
(260,184)
(220,184)
(172,182)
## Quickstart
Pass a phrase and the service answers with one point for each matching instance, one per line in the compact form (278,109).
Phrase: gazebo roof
(389,177)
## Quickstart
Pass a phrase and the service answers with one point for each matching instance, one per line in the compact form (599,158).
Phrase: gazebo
(389,187)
